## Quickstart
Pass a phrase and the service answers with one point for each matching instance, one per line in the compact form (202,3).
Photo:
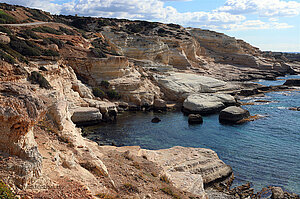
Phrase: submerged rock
(195,119)
(233,114)
(155,120)
(207,103)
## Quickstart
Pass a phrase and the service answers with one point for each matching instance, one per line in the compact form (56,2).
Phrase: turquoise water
(264,152)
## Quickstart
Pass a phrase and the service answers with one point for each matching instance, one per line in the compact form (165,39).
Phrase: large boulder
(292,82)
(207,103)
(233,114)
(86,115)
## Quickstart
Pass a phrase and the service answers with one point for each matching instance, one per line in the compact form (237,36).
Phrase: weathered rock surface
(233,114)
(20,110)
(277,193)
(159,104)
(207,103)
(177,86)
(86,115)
(192,164)
(195,119)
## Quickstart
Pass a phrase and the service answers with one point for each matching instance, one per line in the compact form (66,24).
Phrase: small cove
(263,152)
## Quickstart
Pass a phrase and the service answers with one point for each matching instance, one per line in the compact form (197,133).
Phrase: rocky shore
(74,70)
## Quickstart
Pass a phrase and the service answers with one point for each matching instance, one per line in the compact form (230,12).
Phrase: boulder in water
(233,114)
(195,119)
(155,120)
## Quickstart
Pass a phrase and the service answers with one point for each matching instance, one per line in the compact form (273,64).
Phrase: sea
(263,152)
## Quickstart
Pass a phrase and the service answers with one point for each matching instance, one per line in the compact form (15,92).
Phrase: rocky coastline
(70,70)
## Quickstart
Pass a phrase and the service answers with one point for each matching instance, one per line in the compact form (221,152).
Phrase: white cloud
(253,25)
(228,17)
(265,8)
(46,5)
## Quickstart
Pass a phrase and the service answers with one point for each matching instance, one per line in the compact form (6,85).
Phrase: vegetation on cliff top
(6,18)
(5,191)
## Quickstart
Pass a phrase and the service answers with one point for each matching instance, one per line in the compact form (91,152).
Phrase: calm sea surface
(264,152)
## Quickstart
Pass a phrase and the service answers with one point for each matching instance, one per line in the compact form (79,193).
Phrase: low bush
(46,29)
(98,53)
(51,40)
(13,53)
(66,30)
(6,18)
(25,48)
(105,84)
(129,188)
(27,34)
(69,43)
(38,78)
(113,95)
(7,57)
(98,92)
(37,14)
(49,52)
(164,178)
(170,192)
(4,29)
(5,191)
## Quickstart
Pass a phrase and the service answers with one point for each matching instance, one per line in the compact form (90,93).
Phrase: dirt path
(26,24)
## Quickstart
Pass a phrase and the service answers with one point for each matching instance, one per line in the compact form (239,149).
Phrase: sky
(267,24)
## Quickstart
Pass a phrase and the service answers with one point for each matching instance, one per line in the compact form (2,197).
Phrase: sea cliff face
(68,70)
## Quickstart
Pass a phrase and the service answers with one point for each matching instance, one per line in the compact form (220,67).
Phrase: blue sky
(267,24)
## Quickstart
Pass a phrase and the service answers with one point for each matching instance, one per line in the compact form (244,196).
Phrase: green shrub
(37,78)
(37,14)
(25,48)
(13,53)
(134,27)
(6,18)
(129,188)
(105,84)
(46,29)
(7,57)
(170,192)
(98,92)
(164,178)
(27,34)
(66,30)
(112,94)
(49,52)
(51,40)
(4,29)
(69,43)
(5,191)
(98,53)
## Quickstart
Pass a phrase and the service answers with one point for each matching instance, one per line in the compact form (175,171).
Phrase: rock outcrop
(189,168)
(178,86)
(207,103)
(86,115)
(20,111)
(292,82)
